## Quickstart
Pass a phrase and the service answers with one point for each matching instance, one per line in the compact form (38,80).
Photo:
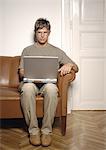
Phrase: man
(41,47)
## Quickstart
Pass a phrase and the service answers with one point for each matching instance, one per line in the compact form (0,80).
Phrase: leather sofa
(10,97)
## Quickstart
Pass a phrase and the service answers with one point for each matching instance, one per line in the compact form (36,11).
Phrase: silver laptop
(40,69)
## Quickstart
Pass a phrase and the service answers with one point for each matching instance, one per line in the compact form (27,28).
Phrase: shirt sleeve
(21,65)
(64,59)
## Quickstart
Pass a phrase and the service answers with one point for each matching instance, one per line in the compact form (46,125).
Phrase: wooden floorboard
(86,130)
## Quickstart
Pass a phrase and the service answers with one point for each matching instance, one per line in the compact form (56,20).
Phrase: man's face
(42,36)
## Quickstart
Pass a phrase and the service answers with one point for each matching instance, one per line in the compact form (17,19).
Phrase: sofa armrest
(63,84)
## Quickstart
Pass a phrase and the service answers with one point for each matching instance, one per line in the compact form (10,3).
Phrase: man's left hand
(65,69)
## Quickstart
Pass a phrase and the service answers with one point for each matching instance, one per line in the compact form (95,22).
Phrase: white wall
(17,18)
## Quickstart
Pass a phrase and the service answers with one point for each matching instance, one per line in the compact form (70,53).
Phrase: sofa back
(9,71)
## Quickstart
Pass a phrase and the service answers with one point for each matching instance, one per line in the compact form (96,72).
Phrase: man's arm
(21,73)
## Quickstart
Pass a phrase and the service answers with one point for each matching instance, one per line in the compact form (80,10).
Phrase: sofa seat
(12,95)
(7,93)
(10,102)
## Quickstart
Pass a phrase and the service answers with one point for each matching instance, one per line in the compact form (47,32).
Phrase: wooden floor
(86,130)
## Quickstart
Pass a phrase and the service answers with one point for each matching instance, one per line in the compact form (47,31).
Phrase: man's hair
(41,23)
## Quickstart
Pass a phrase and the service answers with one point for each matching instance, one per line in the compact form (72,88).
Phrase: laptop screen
(41,68)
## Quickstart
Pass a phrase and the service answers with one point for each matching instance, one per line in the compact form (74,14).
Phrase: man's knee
(51,96)
(29,88)
(51,88)
(28,92)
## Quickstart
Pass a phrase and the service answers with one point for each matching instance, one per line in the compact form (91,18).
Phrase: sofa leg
(63,125)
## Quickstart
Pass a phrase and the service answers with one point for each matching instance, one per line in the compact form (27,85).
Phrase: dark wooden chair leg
(63,125)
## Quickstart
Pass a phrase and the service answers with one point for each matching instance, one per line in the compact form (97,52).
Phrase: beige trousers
(28,103)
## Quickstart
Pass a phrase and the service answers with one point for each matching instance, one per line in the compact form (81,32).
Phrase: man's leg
(28,103)
(50,92)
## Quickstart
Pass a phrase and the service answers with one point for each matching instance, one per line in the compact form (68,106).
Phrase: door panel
(91,37)
(88,42)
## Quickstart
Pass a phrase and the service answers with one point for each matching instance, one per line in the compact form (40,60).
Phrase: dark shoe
(35,139)
(46,139)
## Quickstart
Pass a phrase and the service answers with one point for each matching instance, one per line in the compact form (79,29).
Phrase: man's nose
(42,34)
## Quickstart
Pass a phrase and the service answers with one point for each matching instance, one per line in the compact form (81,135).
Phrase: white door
(87,19)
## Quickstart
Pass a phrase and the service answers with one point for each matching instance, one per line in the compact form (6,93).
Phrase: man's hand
(65,69)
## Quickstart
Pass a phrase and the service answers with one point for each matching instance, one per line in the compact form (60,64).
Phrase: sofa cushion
(9,71)
(9,93)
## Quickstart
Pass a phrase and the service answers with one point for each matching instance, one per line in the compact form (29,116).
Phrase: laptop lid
(40,69)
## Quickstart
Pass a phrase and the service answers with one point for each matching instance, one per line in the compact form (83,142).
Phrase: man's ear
(49,32)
